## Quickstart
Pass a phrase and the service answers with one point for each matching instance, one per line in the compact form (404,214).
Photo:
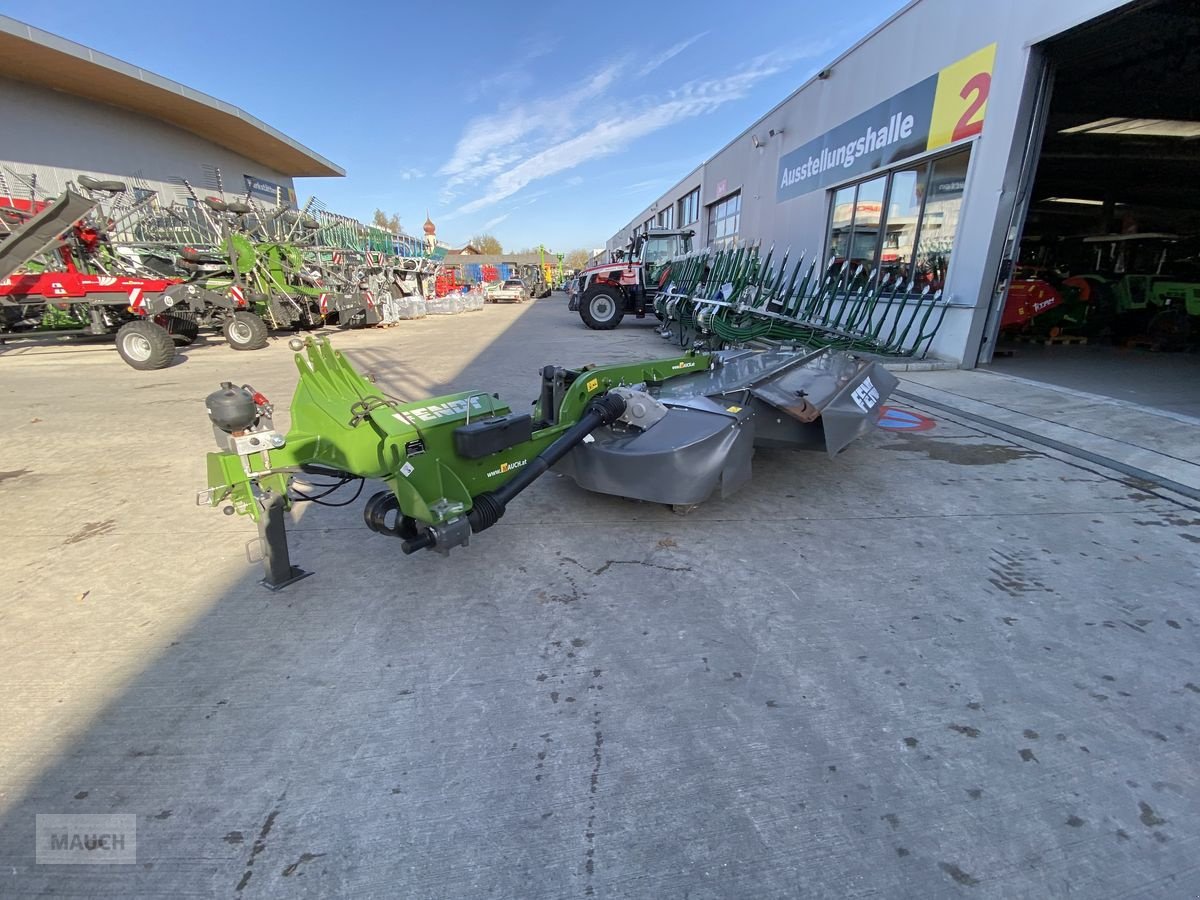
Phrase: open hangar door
(1105,293)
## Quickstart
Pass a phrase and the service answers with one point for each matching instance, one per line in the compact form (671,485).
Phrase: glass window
(901,223)
(666,218)
(724,217)
(842,221)
(864,233)
(689,208)
(939,225)
(658,250)
(903,216)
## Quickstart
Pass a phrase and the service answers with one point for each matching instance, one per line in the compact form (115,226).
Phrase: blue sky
(541,122)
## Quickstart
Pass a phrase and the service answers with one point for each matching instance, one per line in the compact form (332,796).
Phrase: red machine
(629,283)
(95,304)
(447,282)
(1028,298)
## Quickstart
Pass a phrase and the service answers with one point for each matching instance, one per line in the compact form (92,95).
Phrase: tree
(577,259)
(387,223)
(486,243)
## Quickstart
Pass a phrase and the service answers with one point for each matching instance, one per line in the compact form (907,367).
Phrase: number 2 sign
(960,101)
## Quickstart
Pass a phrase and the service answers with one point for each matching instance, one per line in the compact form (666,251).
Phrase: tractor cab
(1154,283)
(1147,269)
(1116,255)
(656,248)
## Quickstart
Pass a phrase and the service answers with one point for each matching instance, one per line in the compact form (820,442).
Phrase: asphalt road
(939,665)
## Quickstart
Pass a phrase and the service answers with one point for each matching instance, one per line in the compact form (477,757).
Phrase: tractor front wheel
(144,345)
(602,307)
(245,331)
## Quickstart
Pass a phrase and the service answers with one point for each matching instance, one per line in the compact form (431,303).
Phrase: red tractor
(630,282)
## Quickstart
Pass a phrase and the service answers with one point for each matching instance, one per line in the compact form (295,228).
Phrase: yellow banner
(960,102)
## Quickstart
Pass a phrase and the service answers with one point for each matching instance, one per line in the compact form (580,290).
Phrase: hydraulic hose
(489,506)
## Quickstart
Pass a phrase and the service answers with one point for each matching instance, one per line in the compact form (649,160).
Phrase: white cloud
(410,174)
(669,54)
(515,78)
(492,143)
(501,153)
(624,124)
(639,187)
(492,223)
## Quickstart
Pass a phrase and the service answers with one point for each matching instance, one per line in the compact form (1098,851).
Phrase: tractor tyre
(245,331)
(1170,329)
(144,345)
(183,331)
(602,307)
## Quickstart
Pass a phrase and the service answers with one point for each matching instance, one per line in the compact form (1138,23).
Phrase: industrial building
(82,112)
(967,145)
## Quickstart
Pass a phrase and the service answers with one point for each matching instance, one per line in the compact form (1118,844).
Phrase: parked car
(512,290)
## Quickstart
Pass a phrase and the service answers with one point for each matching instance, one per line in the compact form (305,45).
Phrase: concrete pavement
(944,664)
(1143,442)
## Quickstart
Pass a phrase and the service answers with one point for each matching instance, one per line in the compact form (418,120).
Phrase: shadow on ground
(915,670)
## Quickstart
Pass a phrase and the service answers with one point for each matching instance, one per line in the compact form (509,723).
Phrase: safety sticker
(406,469)
(593,384)
(733,409)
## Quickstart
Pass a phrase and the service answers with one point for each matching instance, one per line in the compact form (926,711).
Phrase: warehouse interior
(1105,295)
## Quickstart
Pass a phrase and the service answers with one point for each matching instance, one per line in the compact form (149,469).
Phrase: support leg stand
(278,571)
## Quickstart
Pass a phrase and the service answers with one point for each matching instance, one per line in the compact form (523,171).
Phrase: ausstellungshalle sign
(945,107)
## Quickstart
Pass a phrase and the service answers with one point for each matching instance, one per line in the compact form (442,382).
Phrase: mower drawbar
(488,508)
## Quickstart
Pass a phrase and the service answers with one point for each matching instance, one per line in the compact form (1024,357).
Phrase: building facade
(72,111)
(909,153)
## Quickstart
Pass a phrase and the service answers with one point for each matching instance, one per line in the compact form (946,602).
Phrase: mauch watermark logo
(86,839)
(507,467)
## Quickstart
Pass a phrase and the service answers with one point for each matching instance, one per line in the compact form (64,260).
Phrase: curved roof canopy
(38,57)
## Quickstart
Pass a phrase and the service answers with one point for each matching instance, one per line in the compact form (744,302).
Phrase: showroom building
(965,145)
(70,110)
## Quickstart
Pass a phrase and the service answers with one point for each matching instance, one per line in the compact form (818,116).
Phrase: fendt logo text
(435,411)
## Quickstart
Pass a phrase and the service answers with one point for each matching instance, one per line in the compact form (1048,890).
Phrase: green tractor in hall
(1153,286)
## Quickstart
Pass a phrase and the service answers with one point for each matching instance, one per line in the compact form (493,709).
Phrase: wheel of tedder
(602,307)
(245,331)
(144,345)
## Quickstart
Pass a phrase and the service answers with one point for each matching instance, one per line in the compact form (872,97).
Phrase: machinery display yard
(948,662)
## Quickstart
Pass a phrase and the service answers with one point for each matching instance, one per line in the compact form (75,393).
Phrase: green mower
(671,431)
